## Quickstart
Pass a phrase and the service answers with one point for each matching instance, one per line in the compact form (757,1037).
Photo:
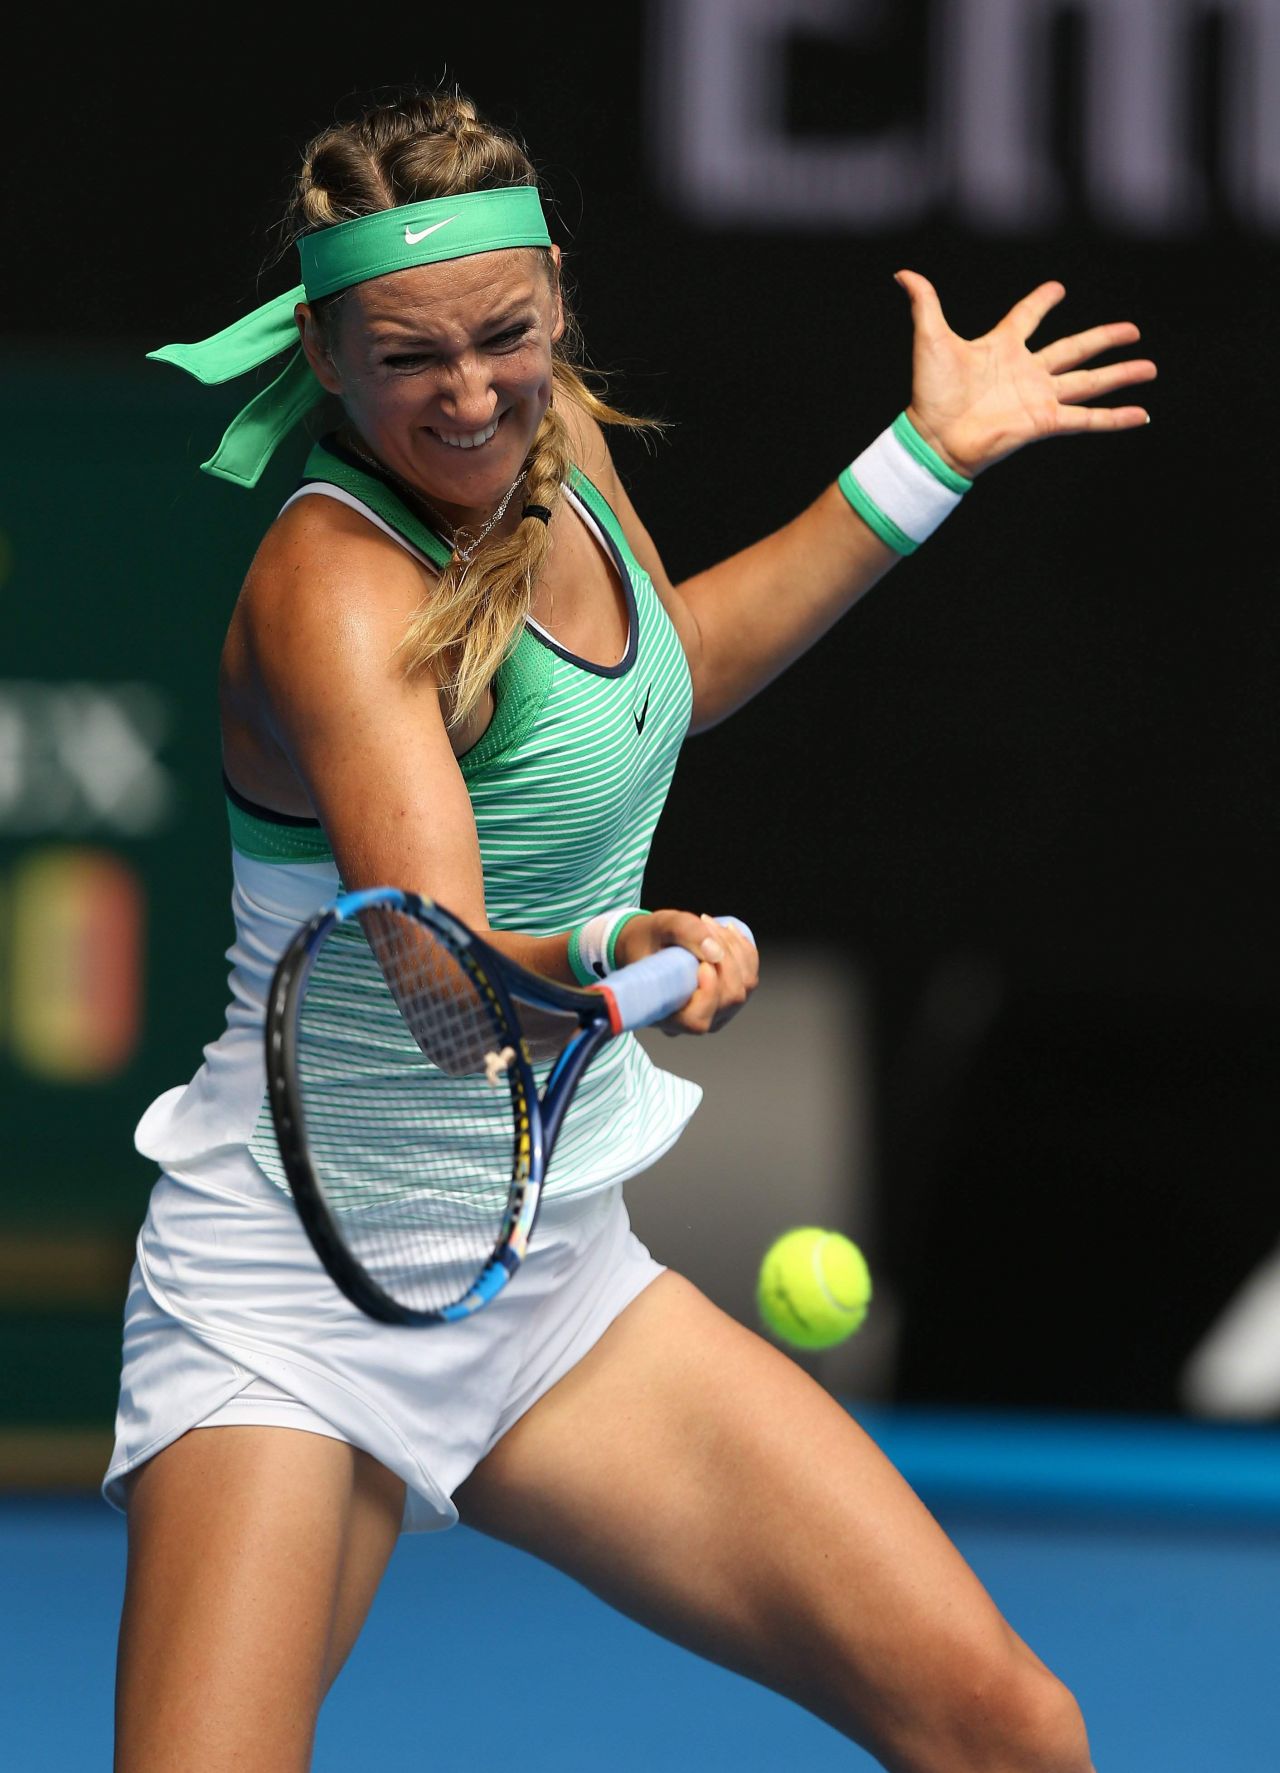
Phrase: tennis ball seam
(780,1292)
(815,1262)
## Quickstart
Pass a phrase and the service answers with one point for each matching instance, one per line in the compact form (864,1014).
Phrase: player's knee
(1057,1741)
(997,1709)
(1022,1719)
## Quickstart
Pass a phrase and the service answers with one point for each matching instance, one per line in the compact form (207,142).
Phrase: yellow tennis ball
(814,1287)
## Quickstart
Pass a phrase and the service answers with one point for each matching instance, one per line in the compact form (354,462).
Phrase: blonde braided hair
(435,145)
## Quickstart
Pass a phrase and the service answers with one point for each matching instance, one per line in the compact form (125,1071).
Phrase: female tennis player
(457,665)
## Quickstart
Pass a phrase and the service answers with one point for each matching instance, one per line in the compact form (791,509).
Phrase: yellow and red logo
(73,920)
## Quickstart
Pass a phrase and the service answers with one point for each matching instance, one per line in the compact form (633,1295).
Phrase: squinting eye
(505,341)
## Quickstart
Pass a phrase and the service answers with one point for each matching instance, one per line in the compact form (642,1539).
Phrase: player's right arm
(325,605)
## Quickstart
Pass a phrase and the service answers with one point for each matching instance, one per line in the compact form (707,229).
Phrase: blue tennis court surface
(1159,1605)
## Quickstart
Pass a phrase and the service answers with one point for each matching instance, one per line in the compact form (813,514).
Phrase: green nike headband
(333,259)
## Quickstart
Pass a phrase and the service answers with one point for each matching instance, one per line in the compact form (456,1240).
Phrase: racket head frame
(288,984)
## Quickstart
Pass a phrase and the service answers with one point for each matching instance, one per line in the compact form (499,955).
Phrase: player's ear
(315,344)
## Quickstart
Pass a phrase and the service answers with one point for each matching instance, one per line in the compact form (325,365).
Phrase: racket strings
(412,1106)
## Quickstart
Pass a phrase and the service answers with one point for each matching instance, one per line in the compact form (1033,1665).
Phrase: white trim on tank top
(329,491)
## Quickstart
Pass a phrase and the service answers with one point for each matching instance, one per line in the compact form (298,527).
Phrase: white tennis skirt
(231,1319)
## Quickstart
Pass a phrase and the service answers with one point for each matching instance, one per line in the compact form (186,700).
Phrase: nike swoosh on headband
(412,239)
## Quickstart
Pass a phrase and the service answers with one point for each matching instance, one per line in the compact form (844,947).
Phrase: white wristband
(901,488)
(591,945)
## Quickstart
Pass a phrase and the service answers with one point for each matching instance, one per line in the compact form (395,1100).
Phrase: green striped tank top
(567,785)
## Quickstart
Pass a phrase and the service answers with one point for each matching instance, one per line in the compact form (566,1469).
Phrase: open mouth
(466,439)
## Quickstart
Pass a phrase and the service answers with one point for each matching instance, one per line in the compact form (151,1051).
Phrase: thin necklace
(454,537)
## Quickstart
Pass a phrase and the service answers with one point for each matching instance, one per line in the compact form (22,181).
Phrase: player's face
(445,371)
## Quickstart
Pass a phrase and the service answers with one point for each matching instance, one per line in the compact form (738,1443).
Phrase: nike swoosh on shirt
(412,239)
(644,712)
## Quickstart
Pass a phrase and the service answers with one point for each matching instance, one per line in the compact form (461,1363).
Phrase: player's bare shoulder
(590,449)
(326,592)
(320,564)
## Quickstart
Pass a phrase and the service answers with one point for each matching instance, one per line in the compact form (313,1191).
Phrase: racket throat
(563,1080)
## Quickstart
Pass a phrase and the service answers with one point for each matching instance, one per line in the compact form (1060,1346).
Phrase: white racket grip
(652,989)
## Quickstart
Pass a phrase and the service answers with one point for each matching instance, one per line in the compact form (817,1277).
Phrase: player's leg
(697,1479)
(253,1555)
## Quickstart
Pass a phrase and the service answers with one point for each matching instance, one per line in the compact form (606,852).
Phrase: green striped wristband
(593,945)
(901,487)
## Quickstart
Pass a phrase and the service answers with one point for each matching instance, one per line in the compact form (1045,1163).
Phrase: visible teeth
(473,441)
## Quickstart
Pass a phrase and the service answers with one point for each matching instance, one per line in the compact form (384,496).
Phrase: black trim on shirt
(266,813)
(628,659)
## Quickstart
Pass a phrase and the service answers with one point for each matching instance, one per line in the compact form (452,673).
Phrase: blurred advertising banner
(117,579)
(980,112)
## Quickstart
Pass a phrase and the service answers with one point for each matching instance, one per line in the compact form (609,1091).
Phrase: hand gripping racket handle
(652,989)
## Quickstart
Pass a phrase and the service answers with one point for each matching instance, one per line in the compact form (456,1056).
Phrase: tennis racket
(402,1053)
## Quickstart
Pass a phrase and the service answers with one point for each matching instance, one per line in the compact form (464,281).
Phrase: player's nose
(467,397)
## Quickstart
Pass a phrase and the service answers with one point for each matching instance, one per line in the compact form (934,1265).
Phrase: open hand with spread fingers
(978,400)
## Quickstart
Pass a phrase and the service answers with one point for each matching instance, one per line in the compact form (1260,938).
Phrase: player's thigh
(253,1555)
(697,1478)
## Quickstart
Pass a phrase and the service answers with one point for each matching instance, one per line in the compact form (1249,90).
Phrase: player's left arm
(974,401)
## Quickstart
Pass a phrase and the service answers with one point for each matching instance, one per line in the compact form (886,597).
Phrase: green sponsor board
(119,565)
